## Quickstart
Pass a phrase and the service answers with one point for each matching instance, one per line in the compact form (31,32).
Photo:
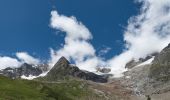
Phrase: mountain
(160,69)
(151,79)
(146,78)
(103,70)
(24,70)
(63,70)
(63,82)
(134,63)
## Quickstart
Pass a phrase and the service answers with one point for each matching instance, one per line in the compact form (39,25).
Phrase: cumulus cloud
(26,58)
(150,31)
(76,47)
(8,62)
(21,57)
(74,29)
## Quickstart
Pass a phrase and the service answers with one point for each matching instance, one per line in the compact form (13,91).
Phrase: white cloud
(150,31)
(118,63)
(73,28)
(23,57)
(8,62)
(146,33)
(26,58)
(104,51)
(76,47)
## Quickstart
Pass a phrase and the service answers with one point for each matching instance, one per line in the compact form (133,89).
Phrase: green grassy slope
(32,90)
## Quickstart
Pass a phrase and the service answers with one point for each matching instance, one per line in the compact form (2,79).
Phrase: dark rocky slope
(63,70)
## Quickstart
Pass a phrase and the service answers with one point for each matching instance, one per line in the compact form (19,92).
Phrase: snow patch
(43,74)
(30,77)
(146,62)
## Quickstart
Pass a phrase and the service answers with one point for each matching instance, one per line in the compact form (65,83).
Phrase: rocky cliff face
(63,70)
(160,69)
(150,79)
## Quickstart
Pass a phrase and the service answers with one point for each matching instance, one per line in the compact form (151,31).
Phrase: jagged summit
(63,60)
(63,69)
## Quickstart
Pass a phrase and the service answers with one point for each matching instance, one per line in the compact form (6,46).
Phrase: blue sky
(24,24)
(89,33)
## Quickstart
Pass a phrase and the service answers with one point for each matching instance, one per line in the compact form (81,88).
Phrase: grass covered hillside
(63,82)
(32,90)
(73,89)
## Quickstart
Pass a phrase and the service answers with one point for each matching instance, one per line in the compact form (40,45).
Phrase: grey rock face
(25,69)
(63,69)
(103,70)
(152,78)
(160,69)
(134,63)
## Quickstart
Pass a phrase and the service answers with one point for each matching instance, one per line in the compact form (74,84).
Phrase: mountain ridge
(63,69)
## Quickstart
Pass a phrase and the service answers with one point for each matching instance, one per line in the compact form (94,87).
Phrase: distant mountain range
(61,70)
(145,78)
(24,70)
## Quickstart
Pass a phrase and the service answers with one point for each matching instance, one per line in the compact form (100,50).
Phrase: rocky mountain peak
(63,69)
(63,60)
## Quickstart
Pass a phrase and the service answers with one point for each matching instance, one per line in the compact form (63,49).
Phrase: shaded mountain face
(24,70)
(134,63)
(63,70)
(160,69)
